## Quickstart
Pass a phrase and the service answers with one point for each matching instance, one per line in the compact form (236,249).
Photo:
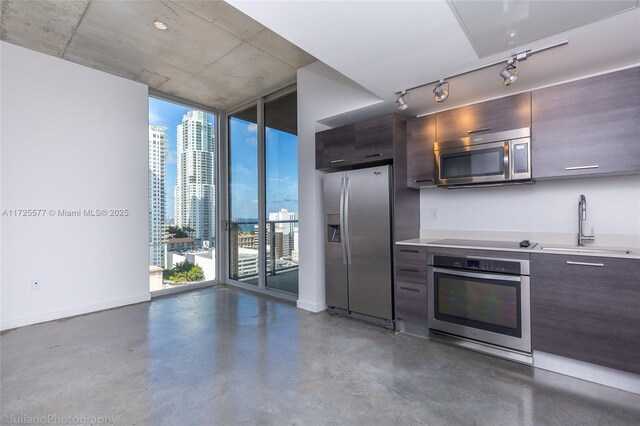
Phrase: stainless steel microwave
(484,159)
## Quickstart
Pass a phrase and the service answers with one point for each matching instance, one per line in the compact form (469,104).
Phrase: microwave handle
(484,129)
(508,160)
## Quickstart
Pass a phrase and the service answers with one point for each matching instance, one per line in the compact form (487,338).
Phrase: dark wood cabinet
(369,141)
(509,113)
(336,147)
(587,308)
(374,139)
(412,273)
(406,201)
(421,135)
(410,254)
(411,289)
(411,308)
(587,127)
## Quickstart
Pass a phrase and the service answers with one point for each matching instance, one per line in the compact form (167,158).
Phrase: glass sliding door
(243,226)
(182,196)
(281,159)
(263,194)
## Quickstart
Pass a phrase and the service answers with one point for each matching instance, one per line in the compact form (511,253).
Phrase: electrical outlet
(434,214)
(36,285)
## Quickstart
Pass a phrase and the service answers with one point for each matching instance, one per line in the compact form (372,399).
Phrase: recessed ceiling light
(160,25)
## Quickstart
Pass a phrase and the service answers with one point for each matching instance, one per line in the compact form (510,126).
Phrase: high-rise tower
(194,190)
(157,193)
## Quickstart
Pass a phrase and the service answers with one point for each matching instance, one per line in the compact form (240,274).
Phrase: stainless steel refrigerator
(358,279)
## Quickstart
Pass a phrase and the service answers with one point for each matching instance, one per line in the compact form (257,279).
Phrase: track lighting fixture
(509,73)
(440,94)
(402,104)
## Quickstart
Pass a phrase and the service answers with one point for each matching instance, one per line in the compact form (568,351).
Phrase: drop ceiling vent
(497,26)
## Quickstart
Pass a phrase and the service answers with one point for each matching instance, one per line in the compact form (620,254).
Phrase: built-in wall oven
(482,303)
(484,159)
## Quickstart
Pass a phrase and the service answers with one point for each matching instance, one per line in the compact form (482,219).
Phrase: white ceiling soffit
(496,26)
(387,46)
(211,53)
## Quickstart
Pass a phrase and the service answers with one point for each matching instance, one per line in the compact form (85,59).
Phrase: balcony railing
(279,253)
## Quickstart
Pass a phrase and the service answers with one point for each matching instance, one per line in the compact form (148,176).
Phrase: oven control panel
(478,264)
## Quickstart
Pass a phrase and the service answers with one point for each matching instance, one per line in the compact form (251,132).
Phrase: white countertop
(617,252)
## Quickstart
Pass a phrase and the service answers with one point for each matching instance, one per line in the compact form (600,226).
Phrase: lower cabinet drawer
(416,274)
(415,255)
(411,308)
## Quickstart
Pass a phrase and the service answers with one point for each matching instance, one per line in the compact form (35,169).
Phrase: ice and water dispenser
(333,228)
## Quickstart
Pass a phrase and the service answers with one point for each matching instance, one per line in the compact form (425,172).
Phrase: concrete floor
(226,357)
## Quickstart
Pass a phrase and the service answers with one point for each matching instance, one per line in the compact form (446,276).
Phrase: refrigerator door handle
(342,228)
(347,191)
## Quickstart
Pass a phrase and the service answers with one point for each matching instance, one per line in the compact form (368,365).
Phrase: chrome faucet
(582,215)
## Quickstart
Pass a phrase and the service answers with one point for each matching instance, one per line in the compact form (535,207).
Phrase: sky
(281,162)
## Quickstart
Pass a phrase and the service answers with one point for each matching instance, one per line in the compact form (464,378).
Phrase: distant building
(206,259)
(283,238)
(157,193)
(244,252)
(246,264)
(295,251)
(246,239)
(283,215)
(194,192)
(180,245)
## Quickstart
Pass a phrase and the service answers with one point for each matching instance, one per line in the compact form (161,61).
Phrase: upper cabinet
(587,127)
(421,134)
(512,112)
(364,142)
(336,147)
(374,139)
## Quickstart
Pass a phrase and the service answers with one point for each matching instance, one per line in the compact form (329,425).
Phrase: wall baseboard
(583,370)
(7,324)
(311,307)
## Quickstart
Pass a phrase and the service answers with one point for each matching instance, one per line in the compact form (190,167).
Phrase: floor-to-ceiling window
(281,170)
(263,193)
(243,195)
(182,195)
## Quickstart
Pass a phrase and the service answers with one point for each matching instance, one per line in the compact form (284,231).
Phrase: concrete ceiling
(211,53)
(387,46)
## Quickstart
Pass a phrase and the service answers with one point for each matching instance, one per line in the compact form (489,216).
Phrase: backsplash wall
(613,208)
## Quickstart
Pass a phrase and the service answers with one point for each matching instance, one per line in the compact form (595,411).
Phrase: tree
(178,232)
(188,230)
(184,272)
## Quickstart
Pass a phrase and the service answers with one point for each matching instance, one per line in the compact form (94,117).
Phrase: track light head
(509,73)
(402,104)
(440,94)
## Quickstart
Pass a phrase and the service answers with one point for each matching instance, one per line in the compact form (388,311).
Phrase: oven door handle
(480,275)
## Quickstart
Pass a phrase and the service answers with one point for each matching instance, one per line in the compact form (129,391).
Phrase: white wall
(322,93)
(613,209)
(72,138)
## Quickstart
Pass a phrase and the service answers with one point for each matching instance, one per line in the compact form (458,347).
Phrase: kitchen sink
(586,249)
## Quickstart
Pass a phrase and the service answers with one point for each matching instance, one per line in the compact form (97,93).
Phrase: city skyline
(281,167)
